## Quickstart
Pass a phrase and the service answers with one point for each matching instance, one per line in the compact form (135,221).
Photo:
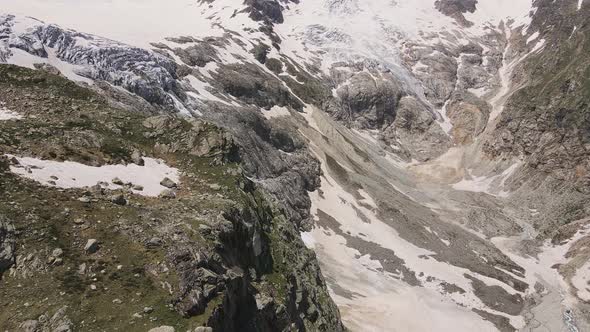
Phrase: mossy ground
(66,122)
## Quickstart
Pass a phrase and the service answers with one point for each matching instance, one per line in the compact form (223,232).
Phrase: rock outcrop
(456,9)
(7,245)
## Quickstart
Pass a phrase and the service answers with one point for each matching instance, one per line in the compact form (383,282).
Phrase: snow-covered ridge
(372,28)
(25,41)
(150,72)
(133,22)
(410,39)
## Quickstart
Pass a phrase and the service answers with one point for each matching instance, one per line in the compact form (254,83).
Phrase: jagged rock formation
(456,9)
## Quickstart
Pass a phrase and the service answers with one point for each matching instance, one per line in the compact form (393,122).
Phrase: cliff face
(546,122)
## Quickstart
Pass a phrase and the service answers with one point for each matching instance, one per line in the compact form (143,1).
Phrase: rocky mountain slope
(433,155)
(209,249)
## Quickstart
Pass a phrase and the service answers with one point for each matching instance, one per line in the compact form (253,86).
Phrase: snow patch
(308,240)
(505,75)
(75,175)
(24,59)
(532,37)
(555,303)
(381,300)
(276,112)
(203,90)
(6,114)
(513,12)
(539,45)
(445,122)
(479,92)
(493,185)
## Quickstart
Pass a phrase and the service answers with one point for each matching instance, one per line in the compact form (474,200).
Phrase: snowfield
(276,112)
(135,22)
(75,175)
(380,299)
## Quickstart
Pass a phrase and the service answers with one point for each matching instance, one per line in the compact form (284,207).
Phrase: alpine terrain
(295,165)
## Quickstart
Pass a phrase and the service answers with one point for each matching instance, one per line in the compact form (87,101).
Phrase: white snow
(135,22)
(75,175)
(549,312)
(532,37)
(495,11)
(276,112)
(537,46)
(479,92)
(24,59)
(493,185)
(573,31)
(475,184)
(581,280)
(307,238)
(371,29)
(382,301)
(367,199)
(67,69)
(580,4)
(6,114)
(445,122)
(504,74)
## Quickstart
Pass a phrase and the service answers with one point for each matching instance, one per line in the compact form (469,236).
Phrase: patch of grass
(54,117)
(115,149)
(23,77)
(275,65)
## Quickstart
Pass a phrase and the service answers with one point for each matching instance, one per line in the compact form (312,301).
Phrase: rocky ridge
(216,253)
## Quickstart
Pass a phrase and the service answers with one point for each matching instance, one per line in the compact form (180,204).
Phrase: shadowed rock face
(253,85)
(461,6)
(548,121)
(266,10)
(456,9)
(369,102)
(7,254)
